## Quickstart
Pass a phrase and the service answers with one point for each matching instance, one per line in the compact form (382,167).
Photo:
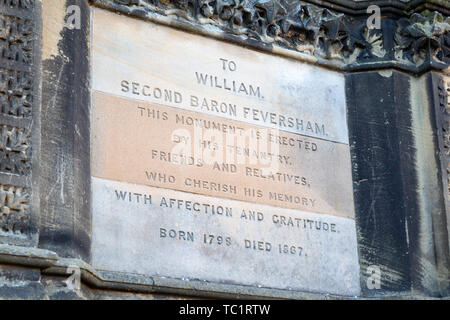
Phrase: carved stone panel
(19,121)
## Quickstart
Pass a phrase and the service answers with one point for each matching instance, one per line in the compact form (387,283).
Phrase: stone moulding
(443,131)
(51,264)
(304,31)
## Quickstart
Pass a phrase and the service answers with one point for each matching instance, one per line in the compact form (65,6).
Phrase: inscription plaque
(215,162)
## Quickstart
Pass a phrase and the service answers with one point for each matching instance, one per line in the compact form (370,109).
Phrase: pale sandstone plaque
(147,144)
(214,162)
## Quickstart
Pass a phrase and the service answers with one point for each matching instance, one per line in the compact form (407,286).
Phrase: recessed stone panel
(214,162)
(176,149)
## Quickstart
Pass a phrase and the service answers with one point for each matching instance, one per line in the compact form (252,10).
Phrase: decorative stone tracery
(410,43)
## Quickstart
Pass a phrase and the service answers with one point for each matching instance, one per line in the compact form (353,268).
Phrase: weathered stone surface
(160,146)
(167,233)
(141,60)
(19,121)
(399,202)
(65,155)
(415,43)
(157,92)
(14,210)
(398,140)
(15,150)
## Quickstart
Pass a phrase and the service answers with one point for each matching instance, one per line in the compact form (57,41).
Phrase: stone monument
(228,148)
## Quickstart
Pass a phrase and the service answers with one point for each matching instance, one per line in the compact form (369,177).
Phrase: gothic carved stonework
(18,4)
(16,93)
(424,38)
(14,210)
(345,41)
(15,150)
(17,87)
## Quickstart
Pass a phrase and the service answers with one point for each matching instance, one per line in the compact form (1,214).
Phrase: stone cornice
(396,7)
(51,264)
(307,32)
